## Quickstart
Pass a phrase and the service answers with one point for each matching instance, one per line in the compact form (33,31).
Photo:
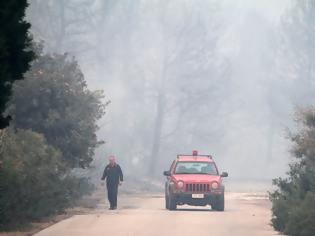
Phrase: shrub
(34,182)
(293,202)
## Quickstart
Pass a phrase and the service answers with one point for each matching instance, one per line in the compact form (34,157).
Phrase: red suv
(194,180)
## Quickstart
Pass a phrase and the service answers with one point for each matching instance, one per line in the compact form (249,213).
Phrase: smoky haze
(182,75)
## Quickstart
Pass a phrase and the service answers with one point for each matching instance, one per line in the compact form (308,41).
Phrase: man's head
(112,160)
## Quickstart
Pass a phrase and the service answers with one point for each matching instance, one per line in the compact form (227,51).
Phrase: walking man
(114,177)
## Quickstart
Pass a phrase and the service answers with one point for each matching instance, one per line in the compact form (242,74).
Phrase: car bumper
(187,198)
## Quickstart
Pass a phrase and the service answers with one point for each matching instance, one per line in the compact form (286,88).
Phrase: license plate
(197,196)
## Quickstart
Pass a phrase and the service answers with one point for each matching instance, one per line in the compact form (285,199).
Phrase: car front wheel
(167,202)
(219,203)
(171,203)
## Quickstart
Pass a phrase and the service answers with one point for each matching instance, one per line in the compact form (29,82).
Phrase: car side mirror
(167,173)
(224,174)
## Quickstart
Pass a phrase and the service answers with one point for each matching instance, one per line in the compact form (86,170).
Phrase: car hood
(191,178)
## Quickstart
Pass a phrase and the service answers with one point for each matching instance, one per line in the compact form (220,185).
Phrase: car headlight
(214,185)
(180,184)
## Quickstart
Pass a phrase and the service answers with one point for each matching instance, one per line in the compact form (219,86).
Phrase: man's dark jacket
(113,174)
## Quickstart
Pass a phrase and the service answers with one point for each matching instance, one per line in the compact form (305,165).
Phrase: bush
(293,202)
(302,217)
(34,182)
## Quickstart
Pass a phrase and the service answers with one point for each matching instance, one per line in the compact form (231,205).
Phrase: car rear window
(196,167)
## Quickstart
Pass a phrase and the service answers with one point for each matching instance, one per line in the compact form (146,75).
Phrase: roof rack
(189,155)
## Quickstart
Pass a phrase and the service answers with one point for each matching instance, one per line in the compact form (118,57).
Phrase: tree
(298,51)
(59,106)
(52,131)
(188,72)
(15,53)
(293,202)
(163,63)
(34,182)
(68,22)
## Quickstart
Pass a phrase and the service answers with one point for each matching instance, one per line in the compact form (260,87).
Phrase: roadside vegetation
(52,131)
(293,202)
(47,125)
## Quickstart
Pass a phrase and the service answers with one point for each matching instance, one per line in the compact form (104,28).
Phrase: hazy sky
(272,9)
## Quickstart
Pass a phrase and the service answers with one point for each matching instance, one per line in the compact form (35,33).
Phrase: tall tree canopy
(15,53)
(59,106)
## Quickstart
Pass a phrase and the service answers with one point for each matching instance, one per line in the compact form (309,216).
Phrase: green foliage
(302,217)
(15,55)
(60,107)
(33,179)
(52,131)
(293,202)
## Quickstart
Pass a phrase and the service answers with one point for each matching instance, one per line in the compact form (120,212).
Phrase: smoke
(181,75)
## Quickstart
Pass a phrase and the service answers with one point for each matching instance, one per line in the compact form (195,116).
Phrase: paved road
(246,215)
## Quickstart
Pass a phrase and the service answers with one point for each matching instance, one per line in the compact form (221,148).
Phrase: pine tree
(15,52)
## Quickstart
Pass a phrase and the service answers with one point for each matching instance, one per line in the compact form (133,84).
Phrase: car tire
(167,202)
(219,203)
(172,203)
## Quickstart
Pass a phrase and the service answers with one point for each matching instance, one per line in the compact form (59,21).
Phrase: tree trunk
(270,140)
(158,125)
(59,43)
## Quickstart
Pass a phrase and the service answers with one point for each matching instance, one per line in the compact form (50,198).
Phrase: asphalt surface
(246,214)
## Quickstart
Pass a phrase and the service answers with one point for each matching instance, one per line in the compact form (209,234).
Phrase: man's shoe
(111,208)
(114,208)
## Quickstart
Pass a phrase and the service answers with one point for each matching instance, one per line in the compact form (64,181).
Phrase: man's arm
(104,173)
(121,176)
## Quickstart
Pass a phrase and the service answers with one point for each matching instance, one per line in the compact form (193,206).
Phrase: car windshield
(196,167)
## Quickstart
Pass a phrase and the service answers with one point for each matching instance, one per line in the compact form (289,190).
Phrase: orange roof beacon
(194,180)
